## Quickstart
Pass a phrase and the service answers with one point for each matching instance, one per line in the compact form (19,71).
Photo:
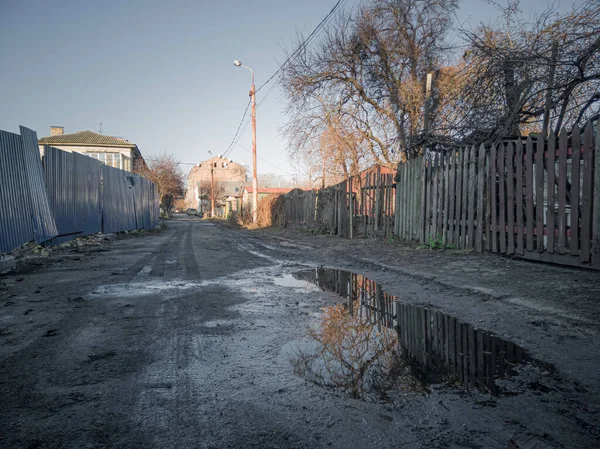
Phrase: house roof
(86,138)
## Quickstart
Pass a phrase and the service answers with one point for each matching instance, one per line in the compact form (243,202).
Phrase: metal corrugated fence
(69,195)
(74,191)
(24,210)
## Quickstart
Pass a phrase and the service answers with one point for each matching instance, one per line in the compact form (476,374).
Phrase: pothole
(372,325)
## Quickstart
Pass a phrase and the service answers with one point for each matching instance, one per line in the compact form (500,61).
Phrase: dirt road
(183,339)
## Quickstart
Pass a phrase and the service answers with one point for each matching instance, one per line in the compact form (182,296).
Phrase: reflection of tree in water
(349,351)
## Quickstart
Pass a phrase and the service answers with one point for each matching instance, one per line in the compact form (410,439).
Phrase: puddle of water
(289,280)
(443,347)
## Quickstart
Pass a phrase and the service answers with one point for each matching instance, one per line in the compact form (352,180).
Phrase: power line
(237,131)
(303,44)
(266,162)
(292,56)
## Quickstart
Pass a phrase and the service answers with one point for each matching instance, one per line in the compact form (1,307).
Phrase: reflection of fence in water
(443,346)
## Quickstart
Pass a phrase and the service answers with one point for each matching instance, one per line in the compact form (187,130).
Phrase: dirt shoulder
(552,311)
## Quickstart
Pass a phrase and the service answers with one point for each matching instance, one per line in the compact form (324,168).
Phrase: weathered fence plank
(480,198)
(510,198)
(494,198)
(472,196)
(596,201)
(519,203)
(575,177)
(529,192)
(501,198)
(550,221)
(562,190)
(465,186)
(539,195)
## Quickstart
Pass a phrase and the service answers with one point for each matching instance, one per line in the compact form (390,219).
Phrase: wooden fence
(533,198)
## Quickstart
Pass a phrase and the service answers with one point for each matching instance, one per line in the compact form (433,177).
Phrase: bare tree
(517,72)
(164,171)
(371,65)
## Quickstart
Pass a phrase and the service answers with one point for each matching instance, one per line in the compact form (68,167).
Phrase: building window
(116,160)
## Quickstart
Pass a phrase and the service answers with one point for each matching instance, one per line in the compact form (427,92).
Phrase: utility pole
(253,113)
(212,193)
(254,178)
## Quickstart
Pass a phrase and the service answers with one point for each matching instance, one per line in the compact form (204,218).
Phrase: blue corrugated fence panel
(117,200)
(74,186)
(44,227)
(15,206)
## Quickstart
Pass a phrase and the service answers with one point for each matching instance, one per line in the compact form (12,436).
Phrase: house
(229,178)
(247,195)
(113,151)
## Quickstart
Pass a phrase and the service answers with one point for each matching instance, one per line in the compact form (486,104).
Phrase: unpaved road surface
(183,339)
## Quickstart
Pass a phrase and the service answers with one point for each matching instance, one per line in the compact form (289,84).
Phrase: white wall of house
(113,156)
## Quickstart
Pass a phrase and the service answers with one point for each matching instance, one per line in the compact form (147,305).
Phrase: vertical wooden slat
(596,201)
(430,199)
(510,198)
(575,180)
(465,186)
(563,139)
(458,209)
(494,198)
(587,199)
(529,192)
(446,198)
(550,223)
(435,174)
(480,198)
(406,185)
(442,181)
(488,203)
(501,198)
(423,212)
(452,197)
(472,195)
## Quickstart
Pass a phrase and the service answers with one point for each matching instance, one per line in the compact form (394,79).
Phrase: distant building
(113,151)
(228,175)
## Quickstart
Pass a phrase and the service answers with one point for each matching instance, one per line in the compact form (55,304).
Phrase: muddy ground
(183,338)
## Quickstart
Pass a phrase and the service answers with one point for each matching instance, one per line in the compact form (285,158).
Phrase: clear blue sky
(157,73)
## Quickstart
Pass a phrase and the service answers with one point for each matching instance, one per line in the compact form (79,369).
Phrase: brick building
(231,177)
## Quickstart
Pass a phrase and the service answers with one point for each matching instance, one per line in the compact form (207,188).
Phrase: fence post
(596,203)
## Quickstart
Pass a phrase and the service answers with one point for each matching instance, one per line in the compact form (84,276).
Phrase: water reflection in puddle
(441,345)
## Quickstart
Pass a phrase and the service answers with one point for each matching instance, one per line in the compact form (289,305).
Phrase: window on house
(215,165)
(116,160)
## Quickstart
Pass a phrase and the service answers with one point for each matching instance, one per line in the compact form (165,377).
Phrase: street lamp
(254,178)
